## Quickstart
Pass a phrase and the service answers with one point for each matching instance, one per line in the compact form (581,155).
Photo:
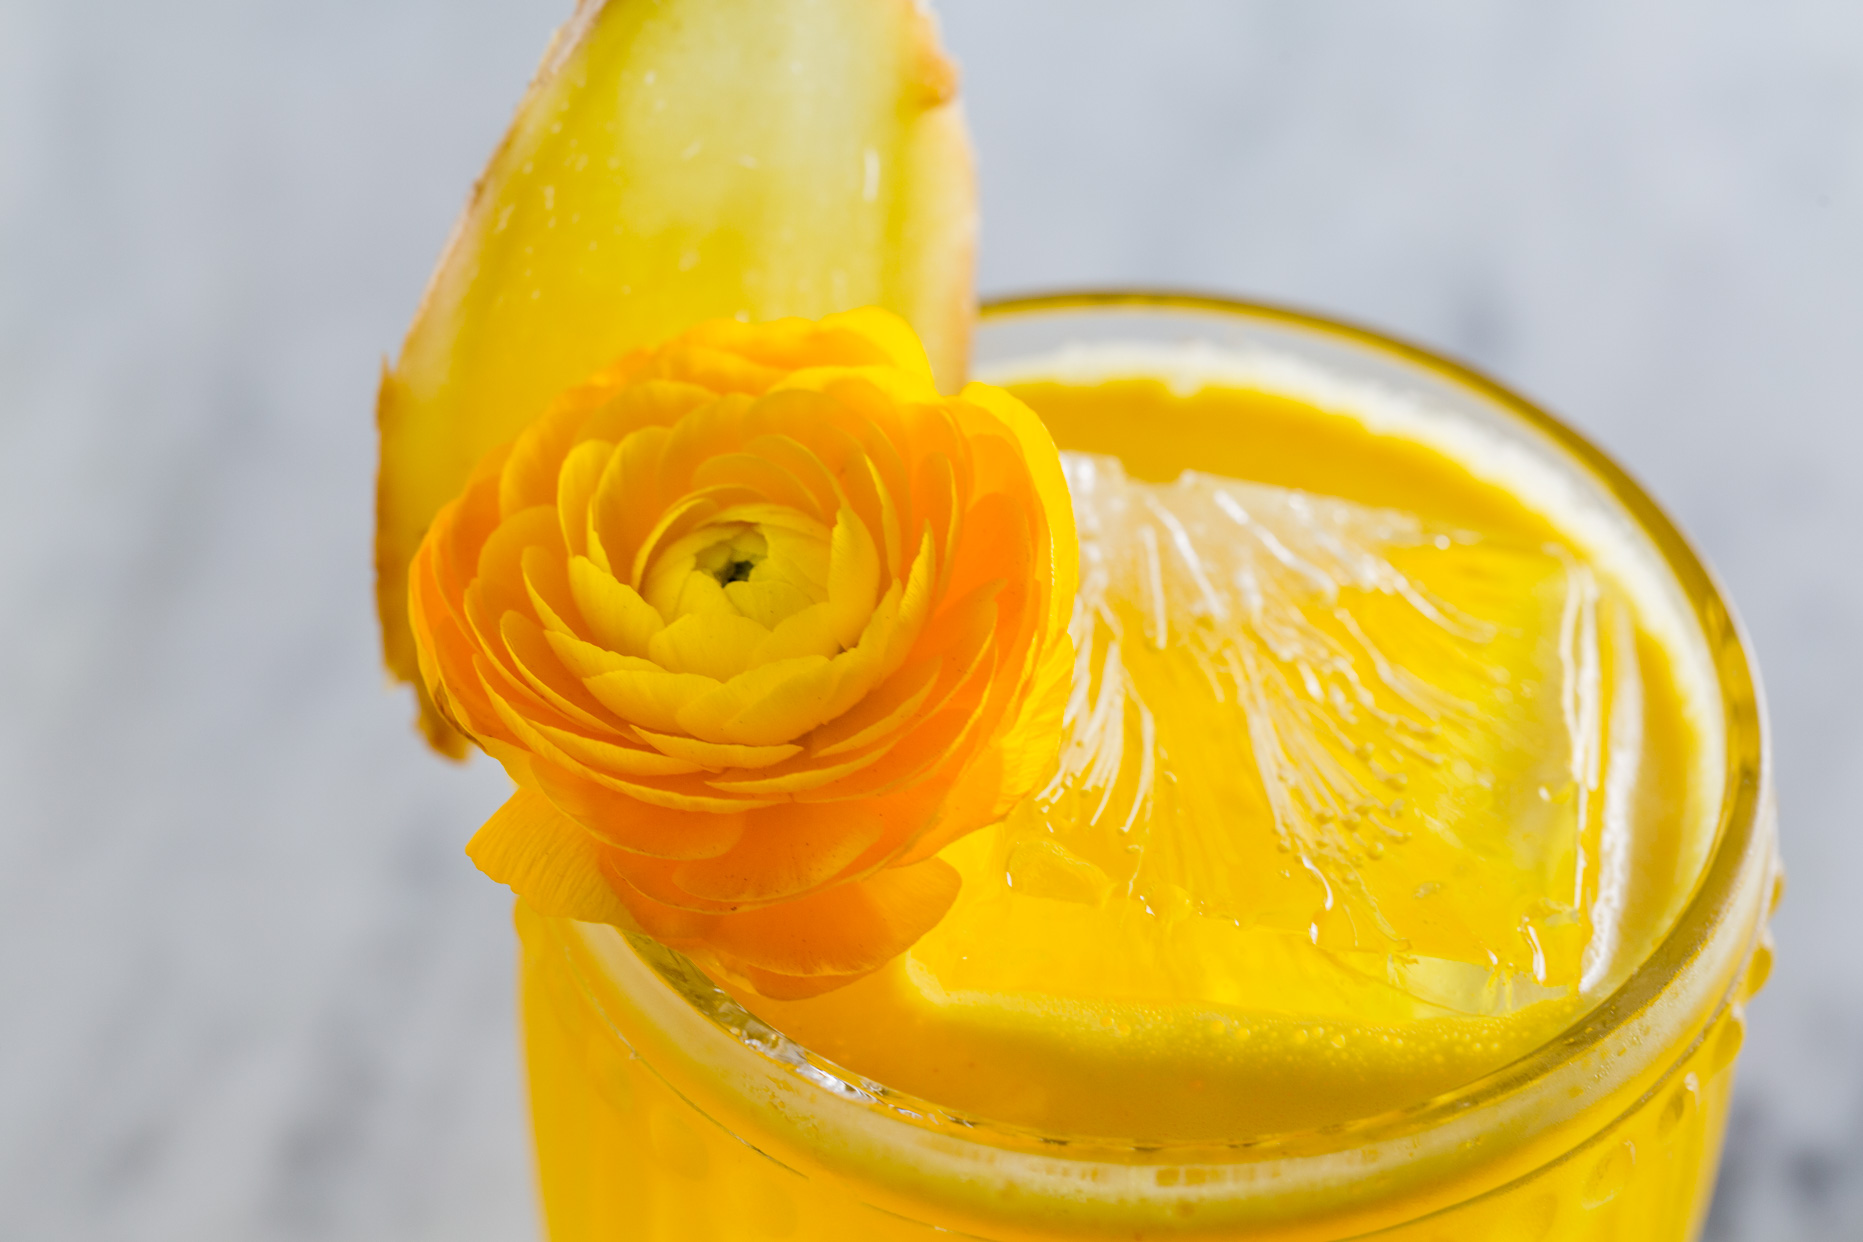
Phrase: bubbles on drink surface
(1412,748)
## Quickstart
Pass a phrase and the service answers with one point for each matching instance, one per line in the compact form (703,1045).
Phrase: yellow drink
(1457,948)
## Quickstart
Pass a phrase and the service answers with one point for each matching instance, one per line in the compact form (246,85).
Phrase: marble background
(249,986)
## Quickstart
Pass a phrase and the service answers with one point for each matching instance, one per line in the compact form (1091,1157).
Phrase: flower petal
(682,517)
(635,826)
(1029,744)
(650,697)
(769,601)
(615,758)
(772,484)
(637,401)
(853,577)
(548,859)
(576,482)
(785,850)
(546,581)
(801,463)
(625,505)
(788,693)
(671,926)
(717,756)
(529,475)
(886,709)
(847,929)
(539,669)
(789,987)
(1044,466)
(718,645)
(585,660)
(805,773)
(617,616)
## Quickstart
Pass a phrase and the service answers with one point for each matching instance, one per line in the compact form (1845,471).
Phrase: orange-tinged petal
(501,556)
(680,793)
(615,758)
(715,756)
(706,432)
(652,880)
(813,419)
(800,461)
(785,850)
(1031,742)
(789,987)
(528,477)
(894,384)
(872,418)
(963,626)
(597,762)
(914,604)
(466,524)
(721,370)
(940,730)
(807,774)
(546,580)
(499,588)
(670,925)
(635,826)
(548,859)
(632,402)
(494,666)
(935,501)
(884,711)
(993,547)
(444,645)
(540,669)
(1044,465)
(844,930)
(975,797)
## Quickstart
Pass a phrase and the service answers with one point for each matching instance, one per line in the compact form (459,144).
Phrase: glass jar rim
(1739,832)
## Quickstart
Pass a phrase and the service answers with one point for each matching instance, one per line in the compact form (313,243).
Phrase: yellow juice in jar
(1386,771)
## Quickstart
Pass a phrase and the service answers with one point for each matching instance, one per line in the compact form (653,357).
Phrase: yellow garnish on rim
(758,621)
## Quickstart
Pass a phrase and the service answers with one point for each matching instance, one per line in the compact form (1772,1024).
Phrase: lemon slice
(1299,724)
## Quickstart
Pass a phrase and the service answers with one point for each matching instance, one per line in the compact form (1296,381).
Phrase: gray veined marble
(253,990)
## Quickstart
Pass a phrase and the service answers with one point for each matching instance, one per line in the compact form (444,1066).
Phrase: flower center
(757,570)
(732,559)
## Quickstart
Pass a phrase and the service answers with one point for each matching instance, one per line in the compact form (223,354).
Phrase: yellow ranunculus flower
(758,621)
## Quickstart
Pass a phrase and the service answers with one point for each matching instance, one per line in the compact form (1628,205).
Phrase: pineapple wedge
(673,161)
